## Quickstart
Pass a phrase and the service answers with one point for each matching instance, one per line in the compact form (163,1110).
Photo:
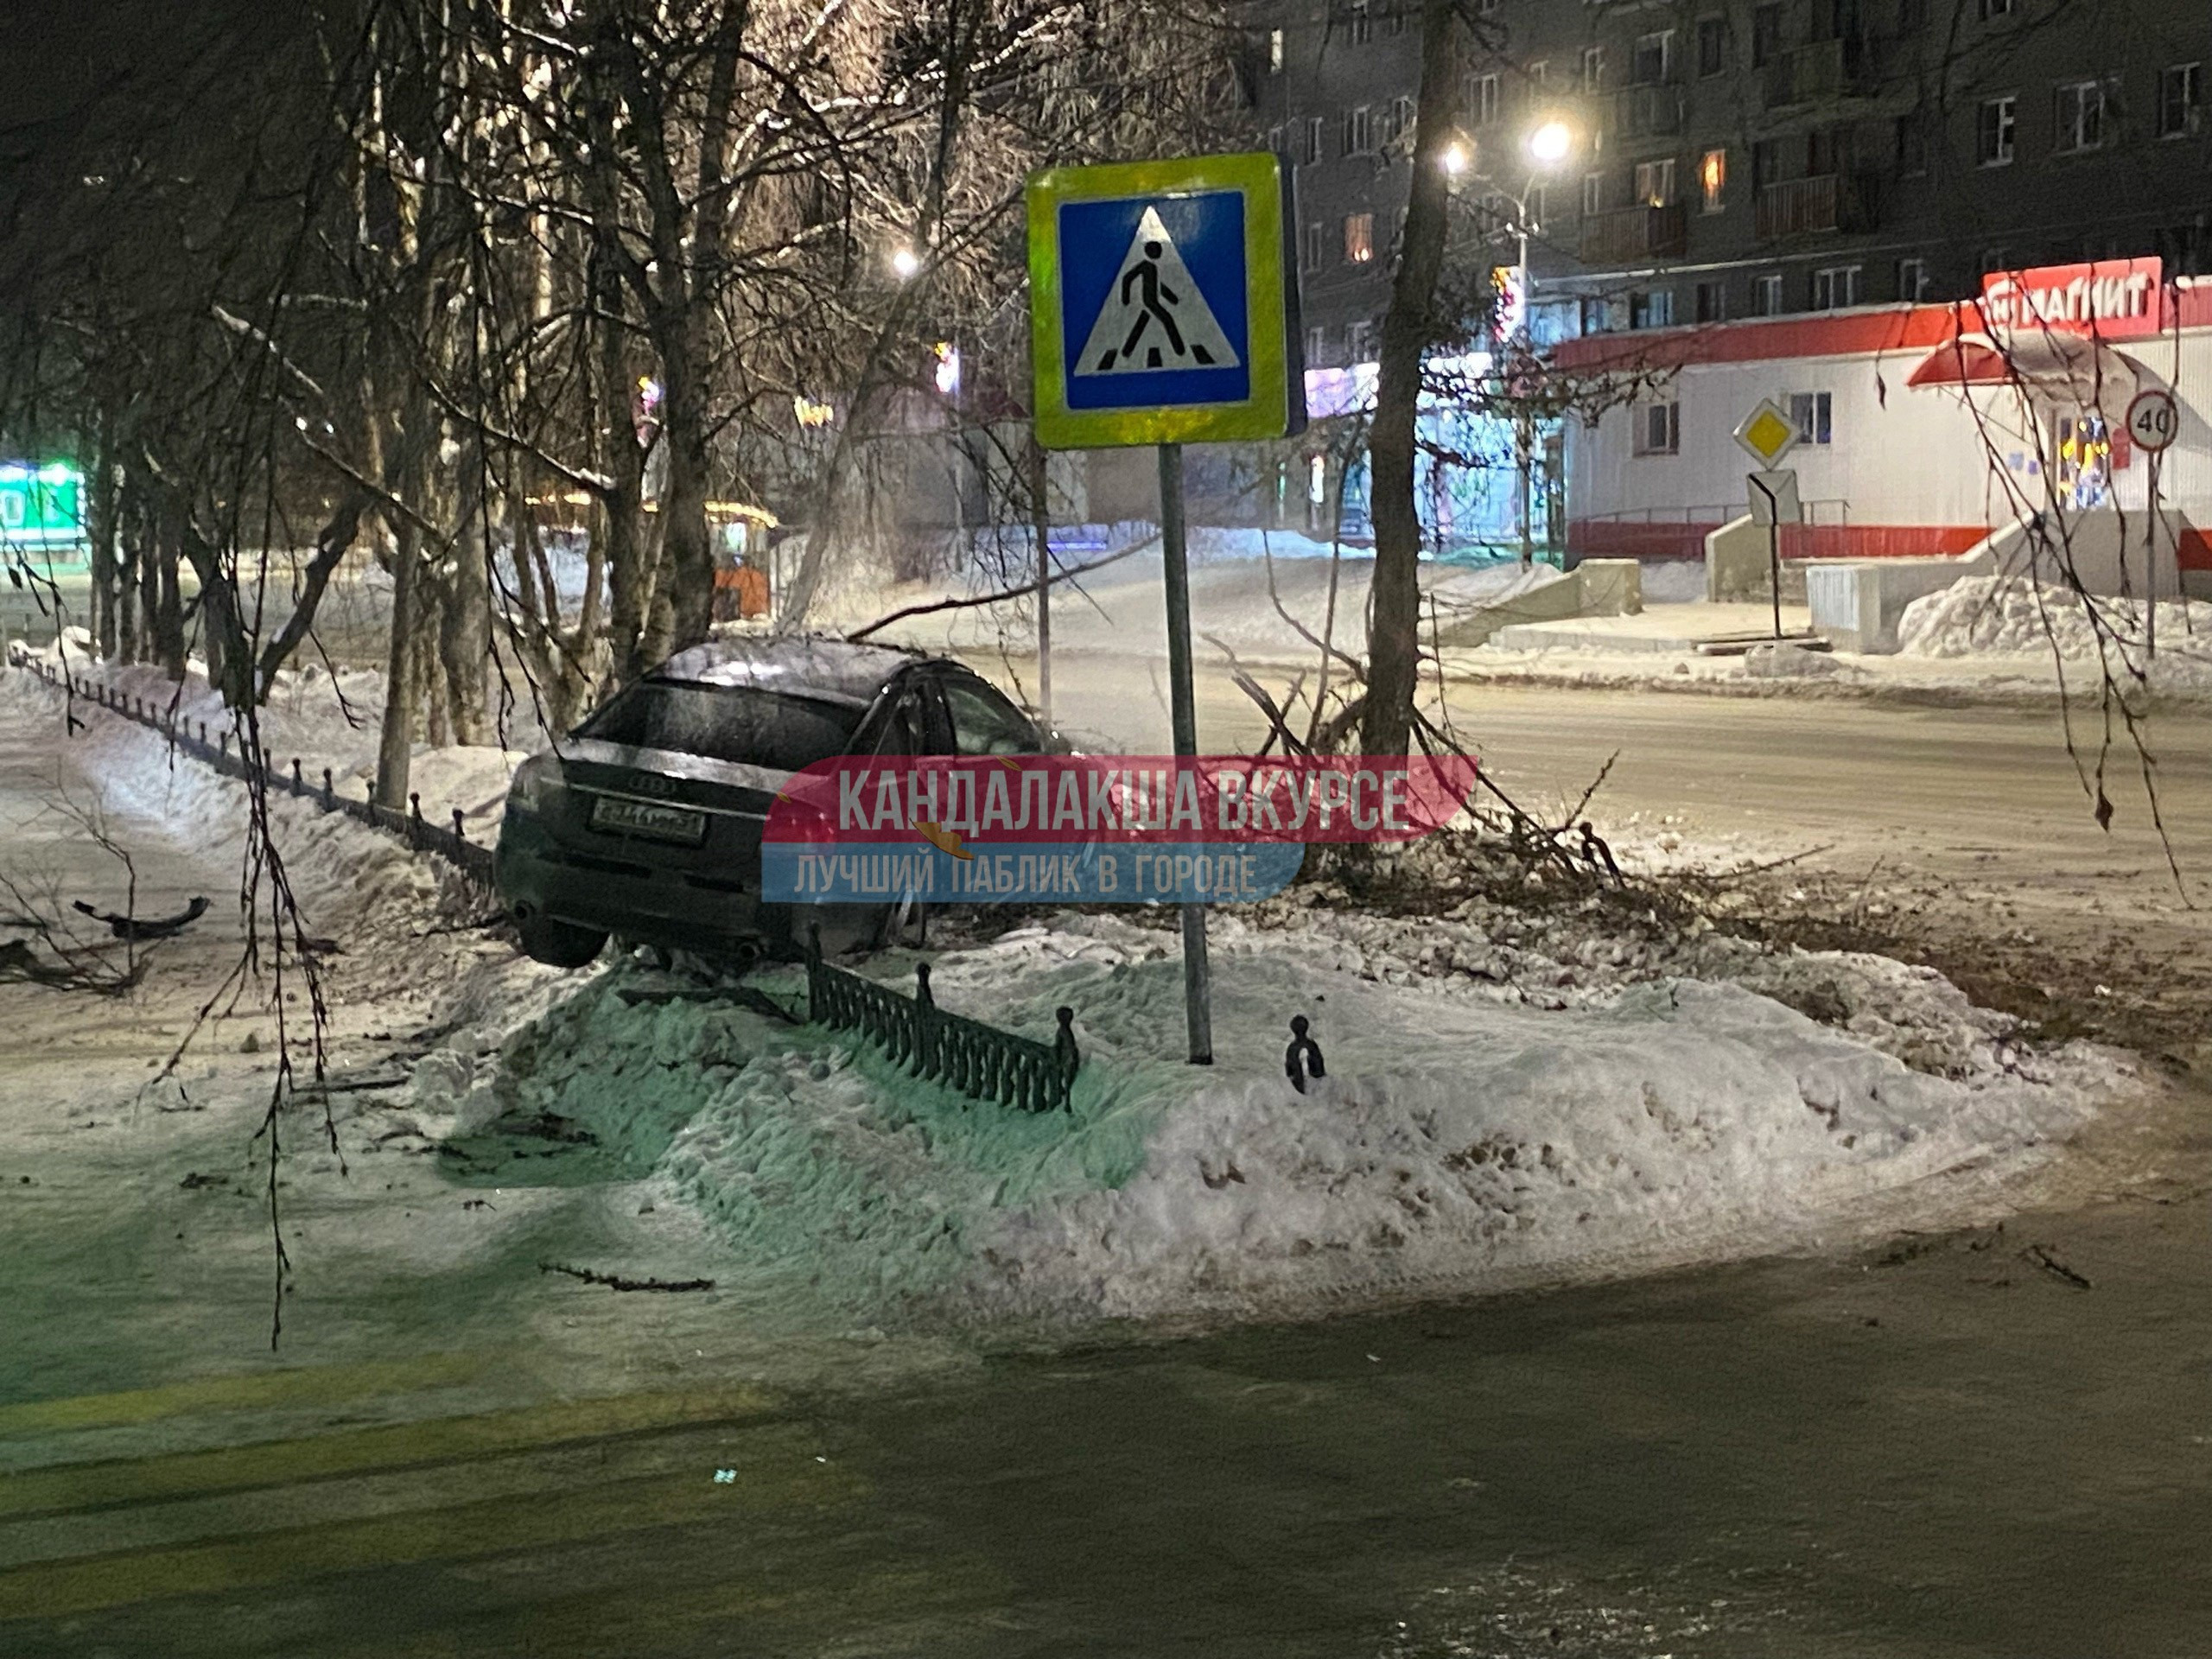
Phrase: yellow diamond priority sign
(1767,434)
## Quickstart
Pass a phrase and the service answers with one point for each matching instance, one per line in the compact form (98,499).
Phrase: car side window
(984,723)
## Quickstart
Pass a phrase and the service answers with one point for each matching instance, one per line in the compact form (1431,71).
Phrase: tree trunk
(168,620)
(396,737)
(1408,328)
(687,553)
(101,523)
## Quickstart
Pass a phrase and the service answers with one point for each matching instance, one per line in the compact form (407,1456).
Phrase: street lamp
(904,263)
(1548,145)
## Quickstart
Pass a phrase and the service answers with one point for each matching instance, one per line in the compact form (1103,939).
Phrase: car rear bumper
(688,910)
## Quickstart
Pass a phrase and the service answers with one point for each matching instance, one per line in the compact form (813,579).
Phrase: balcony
(1632,233)
(1827,202)
(1812,74)
(1648,111)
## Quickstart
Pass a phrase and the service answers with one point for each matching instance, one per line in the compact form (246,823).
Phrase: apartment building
(1744,158)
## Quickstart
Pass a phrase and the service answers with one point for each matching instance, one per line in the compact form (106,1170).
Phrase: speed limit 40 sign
(2152,420)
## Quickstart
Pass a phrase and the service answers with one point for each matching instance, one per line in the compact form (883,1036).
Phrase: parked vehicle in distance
(647,820)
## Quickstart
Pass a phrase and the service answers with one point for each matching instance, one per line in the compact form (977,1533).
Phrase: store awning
(2069,368)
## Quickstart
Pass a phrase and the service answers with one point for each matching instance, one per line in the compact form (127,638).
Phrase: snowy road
(1941,1449)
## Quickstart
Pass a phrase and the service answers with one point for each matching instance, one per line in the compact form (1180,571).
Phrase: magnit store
(1923,429)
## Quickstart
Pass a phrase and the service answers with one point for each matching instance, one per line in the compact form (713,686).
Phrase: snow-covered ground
(324,720)
(1513,1097)
(1507,1102)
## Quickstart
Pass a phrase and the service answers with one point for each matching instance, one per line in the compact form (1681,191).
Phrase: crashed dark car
(645,821)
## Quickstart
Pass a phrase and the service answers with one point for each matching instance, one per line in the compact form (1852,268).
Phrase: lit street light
(904,263)
(1548,145)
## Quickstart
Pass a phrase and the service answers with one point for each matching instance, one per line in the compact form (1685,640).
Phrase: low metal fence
(421,833)
(973,1058)
(966,1055)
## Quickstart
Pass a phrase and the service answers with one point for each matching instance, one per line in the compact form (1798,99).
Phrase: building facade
(1736,160)
(1732,159)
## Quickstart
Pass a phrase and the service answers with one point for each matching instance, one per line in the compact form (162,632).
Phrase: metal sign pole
(1773,545)
(1040,518)
(1198,987)
(2150,567)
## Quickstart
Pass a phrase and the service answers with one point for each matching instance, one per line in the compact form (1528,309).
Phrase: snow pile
(1786,661)
(2004,615)
(1495,1113)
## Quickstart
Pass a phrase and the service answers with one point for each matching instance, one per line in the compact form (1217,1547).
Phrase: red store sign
(2113,299)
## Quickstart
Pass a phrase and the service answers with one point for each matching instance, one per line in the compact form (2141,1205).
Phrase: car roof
(832,671)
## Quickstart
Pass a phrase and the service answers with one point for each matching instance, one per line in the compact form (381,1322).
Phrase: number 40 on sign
(2153,420)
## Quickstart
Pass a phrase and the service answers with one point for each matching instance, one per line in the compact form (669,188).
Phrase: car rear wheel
(559,944)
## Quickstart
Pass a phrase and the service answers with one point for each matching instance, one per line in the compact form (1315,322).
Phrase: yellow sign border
(1265,412)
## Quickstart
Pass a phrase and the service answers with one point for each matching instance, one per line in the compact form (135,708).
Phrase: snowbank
(1995,615)
(1495,1113)
(324,720)
(352,882)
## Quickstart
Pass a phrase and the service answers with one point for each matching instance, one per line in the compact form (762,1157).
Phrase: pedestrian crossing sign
(1160,311)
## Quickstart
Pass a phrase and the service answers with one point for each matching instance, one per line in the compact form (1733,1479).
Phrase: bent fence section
(452,844)
(965,1055)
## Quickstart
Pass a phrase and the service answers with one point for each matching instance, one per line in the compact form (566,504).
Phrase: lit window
(1274,51)
(1813,414)
(1655,183)
(1359,239)
(1712,180)
(1995,127)
(1658,429)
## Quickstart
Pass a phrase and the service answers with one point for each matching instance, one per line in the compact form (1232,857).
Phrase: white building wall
(1899,454)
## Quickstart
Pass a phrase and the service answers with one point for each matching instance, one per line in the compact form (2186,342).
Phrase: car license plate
(617,815)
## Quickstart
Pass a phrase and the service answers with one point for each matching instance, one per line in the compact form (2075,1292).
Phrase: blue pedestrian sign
(1159,307)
